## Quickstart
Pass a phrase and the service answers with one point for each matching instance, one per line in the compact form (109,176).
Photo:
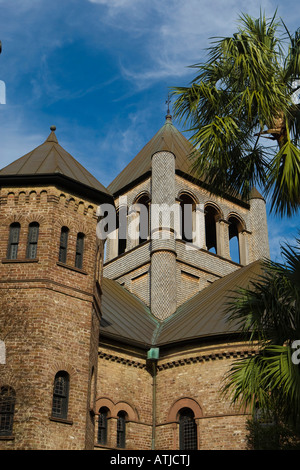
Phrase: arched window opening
(13,242)
(63,246)
(121,429)
(187,430)
(61,395)
(235,228)
(33,235)
(79,250)
(7,410)
(102,425)
(144,217)
(188,206)
(122,229)
(211,216)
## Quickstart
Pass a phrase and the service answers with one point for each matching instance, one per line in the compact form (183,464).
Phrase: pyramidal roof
(50,158)
(167,138)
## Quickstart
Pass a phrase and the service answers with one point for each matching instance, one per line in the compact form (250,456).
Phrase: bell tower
(218,235)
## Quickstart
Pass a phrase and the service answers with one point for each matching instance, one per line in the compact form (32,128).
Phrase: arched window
(235,228)
(121,429)
(79,250)
(7,410)
(13,242)
(187,430)
(102,425)
(122,229)
(63,246)
(187,205)
(61,395)
(33,235)
(144,222)
(211,216)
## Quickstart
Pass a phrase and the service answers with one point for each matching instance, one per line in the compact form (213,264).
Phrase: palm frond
(241,94)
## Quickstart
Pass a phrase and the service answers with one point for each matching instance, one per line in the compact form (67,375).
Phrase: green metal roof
(127,319)
(124,316)
(48,159)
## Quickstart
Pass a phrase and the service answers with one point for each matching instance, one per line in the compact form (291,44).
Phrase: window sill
(61,420)
(71,268)
(20,260)
(7,438)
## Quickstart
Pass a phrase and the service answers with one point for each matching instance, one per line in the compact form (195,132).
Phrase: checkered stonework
(163,285)
(163,258)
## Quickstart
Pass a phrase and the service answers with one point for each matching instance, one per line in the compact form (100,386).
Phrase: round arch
(186,192)
(190,403)
(238,218)
(132,414)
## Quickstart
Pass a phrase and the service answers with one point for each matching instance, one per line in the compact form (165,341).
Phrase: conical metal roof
(50,158)
(167,138)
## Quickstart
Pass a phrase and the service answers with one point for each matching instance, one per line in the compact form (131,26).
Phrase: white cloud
(174,33)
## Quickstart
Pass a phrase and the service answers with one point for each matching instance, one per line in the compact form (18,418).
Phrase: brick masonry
(59,305)
(52,312)
(188,377)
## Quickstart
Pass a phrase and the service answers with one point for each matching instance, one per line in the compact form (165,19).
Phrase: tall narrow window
(122,229)
(61,395)
(187,430)
(7,409)
(121,429)
(13,243)
(102,426)
(235,228)
(79,250)
(211,215)
(144,217)
(63,244)
(187,205)
(33,235)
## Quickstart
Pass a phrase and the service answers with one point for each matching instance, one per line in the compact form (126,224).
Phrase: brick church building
(125,350)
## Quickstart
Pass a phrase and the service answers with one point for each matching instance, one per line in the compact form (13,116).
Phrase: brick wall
(59,306)
(190,377)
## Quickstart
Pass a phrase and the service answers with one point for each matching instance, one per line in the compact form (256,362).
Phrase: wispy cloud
(179,33)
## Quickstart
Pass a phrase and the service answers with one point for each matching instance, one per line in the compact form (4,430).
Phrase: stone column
(199,226)
(112,247)
(133,228)
(244,249)
(222,238)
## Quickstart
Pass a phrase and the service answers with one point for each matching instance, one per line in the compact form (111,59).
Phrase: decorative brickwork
(60,305)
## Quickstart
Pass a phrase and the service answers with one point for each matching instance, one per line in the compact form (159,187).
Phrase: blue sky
(100,71)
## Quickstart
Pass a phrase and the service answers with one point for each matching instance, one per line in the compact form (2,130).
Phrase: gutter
(152,357)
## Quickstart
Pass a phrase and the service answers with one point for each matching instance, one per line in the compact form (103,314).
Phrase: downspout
(153,356)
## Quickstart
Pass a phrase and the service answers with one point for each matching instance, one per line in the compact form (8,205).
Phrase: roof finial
(52,128)
(168,116)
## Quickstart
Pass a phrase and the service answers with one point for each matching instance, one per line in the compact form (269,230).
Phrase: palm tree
(245,124)
(269,313)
